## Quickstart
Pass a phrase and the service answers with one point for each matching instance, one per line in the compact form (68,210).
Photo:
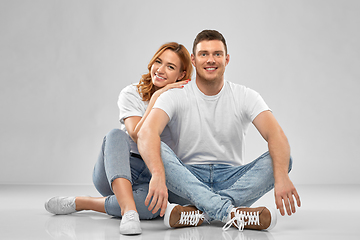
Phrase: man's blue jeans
(217,188)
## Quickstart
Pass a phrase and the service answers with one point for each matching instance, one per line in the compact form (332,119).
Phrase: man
(208,120)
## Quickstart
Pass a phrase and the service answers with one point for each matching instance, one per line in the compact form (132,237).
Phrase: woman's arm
(133,124)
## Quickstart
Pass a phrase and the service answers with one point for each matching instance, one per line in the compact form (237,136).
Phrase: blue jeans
(114,162)
(217,188)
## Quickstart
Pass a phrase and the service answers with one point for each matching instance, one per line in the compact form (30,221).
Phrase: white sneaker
(61,205)
(130,223)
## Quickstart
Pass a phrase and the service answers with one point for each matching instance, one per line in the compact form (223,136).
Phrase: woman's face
(166,69)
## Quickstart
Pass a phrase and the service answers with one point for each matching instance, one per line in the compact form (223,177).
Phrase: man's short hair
(208,35)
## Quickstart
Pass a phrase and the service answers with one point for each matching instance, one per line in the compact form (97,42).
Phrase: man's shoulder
(236,86)
(178,92)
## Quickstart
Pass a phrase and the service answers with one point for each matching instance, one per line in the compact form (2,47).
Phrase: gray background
(63,64)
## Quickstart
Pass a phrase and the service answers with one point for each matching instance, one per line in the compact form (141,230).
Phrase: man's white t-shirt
(131,104)
(210,129)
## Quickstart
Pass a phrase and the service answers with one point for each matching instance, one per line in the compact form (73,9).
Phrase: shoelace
(130,215)
(239,220)
(66,205)
(191,218)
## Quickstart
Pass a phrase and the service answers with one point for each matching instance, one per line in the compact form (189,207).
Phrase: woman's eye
(157,61)
(171,67)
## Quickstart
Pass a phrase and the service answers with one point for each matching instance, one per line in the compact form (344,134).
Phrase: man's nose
(211,59)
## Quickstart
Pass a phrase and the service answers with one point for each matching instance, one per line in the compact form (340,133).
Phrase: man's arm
(149,147)
(279,150)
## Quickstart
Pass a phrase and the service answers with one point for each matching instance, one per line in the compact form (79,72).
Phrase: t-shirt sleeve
(130,104)
(166,102)
(255,104)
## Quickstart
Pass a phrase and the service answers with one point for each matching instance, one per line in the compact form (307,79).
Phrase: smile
(161,78)
(210,68)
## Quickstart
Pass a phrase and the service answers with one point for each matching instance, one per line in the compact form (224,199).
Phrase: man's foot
(182,216)
(260,218)
(61,205)
(130,223)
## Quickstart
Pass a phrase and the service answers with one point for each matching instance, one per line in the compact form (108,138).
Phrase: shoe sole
(273,218)
(168,211)
(131,232)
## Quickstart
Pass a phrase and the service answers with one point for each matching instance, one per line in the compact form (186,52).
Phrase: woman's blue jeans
(216,188)
(115,161)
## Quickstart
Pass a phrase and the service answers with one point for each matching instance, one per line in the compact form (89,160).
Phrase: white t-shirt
(131,104)
(210,129)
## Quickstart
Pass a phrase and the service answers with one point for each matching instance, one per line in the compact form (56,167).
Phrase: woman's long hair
(146,87)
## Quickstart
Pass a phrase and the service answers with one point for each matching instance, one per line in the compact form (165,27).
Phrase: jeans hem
(119,176)
(228,210)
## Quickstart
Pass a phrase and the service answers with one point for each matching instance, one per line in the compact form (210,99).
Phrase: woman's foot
(130,223)
(61,205)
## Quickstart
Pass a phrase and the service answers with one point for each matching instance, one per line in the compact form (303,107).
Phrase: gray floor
(328,212)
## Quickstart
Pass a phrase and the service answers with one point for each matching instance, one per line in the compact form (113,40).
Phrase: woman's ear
(182,75)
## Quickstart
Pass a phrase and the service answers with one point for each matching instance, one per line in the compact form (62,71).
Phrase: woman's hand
(179,84)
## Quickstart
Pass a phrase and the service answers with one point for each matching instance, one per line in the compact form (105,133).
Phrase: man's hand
(158,194)
(285,192)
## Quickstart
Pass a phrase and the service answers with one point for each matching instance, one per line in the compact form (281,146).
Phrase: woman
(120,175)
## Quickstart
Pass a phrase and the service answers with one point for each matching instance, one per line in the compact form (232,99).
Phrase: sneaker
(182,216)
(61,205)
(261,218)
(130,223)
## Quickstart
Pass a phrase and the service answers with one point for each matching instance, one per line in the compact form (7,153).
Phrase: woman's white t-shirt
(131,104)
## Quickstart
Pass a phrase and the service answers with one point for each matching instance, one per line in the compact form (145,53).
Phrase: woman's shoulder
(130,92)
(130,88)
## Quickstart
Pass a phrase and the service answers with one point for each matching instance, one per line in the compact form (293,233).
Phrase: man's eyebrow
(206,51)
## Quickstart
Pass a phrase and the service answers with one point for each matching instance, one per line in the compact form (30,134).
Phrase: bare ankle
(126,209)
(79,204)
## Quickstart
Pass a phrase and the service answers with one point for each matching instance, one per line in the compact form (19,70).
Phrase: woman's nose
(160,69)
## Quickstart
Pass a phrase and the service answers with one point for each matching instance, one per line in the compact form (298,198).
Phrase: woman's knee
(117,137)
(116,134)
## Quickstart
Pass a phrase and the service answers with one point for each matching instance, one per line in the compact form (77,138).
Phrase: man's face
(210,60)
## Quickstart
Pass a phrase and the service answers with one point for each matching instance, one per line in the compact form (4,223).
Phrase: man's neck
(209,88)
